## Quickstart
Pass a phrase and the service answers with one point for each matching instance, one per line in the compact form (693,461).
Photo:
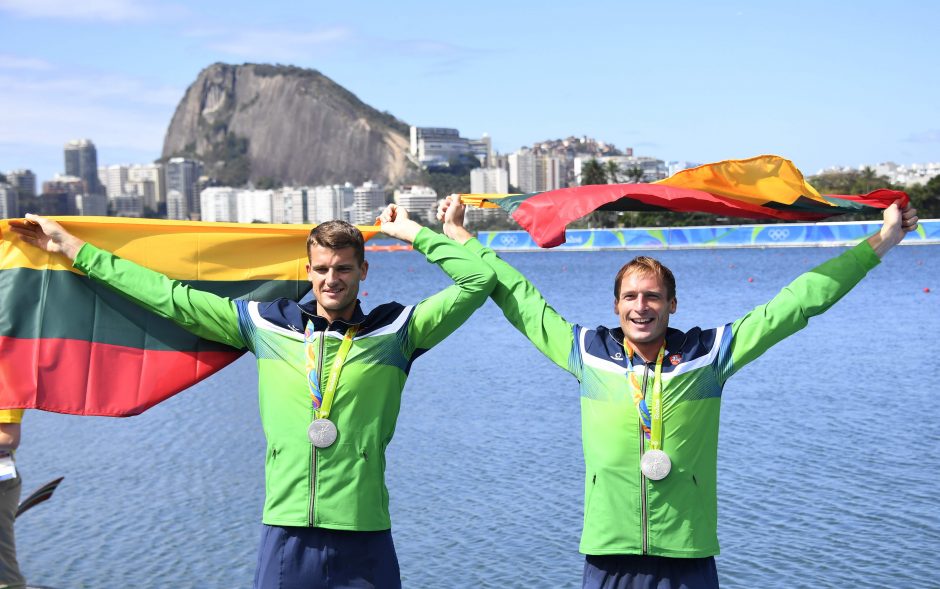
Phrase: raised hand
(451,212)
(47,235)
(395,223)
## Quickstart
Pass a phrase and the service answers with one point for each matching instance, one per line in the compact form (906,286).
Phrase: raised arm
(522,304)
(205,314)
(441,314)
(813,293)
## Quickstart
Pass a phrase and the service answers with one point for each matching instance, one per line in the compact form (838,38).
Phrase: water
(829,452)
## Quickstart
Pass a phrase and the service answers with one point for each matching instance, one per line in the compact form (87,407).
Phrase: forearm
(525,308)
(809,295)
(441,314)
(203,313)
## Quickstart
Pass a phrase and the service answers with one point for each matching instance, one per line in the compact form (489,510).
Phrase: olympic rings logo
(778,234)
(508,240)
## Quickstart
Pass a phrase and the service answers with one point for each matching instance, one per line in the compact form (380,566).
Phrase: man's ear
(672,305)
(365,269)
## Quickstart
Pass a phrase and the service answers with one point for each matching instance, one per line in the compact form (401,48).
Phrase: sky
(823,84)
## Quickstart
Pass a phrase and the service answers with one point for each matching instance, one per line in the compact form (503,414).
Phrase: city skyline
(677,81)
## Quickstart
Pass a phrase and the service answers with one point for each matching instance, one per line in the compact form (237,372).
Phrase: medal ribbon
(651,421)
(323,402)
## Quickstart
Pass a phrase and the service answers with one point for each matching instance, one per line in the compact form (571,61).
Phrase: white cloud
(274,45)
(13,62)
(929,136)
(109,109)
(86,10)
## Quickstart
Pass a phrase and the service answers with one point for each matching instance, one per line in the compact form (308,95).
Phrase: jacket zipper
(313,453)
(643,507)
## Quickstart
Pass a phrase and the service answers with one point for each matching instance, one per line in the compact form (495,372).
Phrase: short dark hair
(337,235)
(647,265)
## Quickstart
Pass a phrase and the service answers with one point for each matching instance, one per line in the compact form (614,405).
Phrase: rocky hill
(286,125)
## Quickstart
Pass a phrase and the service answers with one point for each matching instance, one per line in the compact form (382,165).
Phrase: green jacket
(342,486)
(624,512)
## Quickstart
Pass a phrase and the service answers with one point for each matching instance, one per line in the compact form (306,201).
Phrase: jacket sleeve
(205,314)
(439,315)
(523,306)
(809,295)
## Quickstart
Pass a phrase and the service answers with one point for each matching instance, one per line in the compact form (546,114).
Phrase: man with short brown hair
(330,379)
(650,399)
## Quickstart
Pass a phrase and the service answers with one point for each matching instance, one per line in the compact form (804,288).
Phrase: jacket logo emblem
(617,356)
(675,359)
(293,328)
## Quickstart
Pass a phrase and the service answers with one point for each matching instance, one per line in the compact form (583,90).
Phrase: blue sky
(837,84)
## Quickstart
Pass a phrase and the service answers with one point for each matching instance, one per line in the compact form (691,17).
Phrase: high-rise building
(9,202)
(420,201)
(115,180)
(289,205)
(368,202)
(219,204)
(483,149)
(148,182)
(254,206)
(24,181)
(81,161)
(182,195)
(329,202)
(522,170)
(489,181)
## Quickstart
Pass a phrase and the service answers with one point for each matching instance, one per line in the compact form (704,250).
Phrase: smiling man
(650,398)
(330,378)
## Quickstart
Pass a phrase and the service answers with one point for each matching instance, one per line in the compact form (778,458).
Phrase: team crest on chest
(675,359)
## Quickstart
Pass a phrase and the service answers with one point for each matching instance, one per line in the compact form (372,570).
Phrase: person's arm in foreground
(205,314)
(814,292)
(439,315)
(521,303)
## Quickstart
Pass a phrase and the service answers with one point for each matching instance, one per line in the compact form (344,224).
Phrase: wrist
(71,246)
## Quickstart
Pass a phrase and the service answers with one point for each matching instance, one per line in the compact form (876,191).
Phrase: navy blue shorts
(633,571)
(317,558)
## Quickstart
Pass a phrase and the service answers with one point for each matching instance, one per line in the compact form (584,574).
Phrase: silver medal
(655,465)
(322,433)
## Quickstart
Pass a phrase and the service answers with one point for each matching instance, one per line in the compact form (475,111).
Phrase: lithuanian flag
(762,187)
(71,345)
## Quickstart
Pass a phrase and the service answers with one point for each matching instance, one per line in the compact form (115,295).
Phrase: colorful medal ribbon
(323,402)
(650,421)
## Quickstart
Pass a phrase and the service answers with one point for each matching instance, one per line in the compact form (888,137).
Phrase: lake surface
(829,454)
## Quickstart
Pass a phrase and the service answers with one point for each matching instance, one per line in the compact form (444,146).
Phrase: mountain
(273,123)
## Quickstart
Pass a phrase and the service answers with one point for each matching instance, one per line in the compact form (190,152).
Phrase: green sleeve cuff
(865,255)
(424,239)
(85,256)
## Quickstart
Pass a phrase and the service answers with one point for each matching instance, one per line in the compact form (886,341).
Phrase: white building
(522,170)
(9,206)
(674,167)
(489,181)
(420,201)
(327,203)
(114,180)
(437,145)
(148,182)
(289,205)
(254,206)
(368,202)
(219,204)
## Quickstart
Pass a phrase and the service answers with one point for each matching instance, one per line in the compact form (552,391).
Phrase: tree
(613,172)
(635,174)
(926,198)
(593,172)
